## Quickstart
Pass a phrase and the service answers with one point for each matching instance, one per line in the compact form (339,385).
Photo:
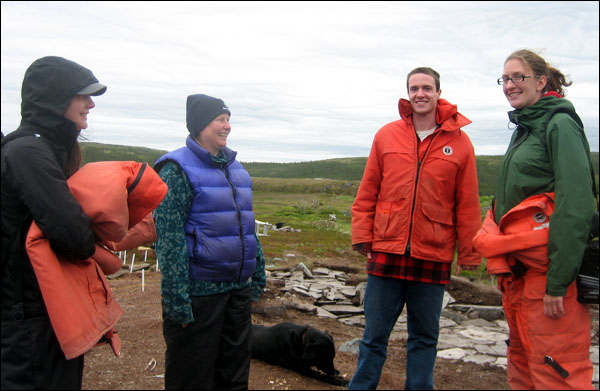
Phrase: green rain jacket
(552,159)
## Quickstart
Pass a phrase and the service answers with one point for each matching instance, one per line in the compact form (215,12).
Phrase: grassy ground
(321,209)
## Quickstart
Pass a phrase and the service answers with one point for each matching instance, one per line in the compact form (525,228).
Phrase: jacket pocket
(440,229)
(535,286)
(539,324)
(97,287)
(390,220)
(195,245)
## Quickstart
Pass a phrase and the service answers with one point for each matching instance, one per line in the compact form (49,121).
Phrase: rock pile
(472,333)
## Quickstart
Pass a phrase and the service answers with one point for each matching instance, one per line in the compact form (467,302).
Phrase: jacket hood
(447,115)
(48,87)
(538,110)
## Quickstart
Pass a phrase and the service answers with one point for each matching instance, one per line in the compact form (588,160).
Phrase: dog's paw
(337,380)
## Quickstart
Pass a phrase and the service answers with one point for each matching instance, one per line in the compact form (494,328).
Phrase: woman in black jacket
(37,159)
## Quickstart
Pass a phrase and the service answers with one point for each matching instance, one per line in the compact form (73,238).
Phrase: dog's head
(319,351)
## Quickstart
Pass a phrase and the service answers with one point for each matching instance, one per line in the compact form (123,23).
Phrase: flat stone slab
(496,350)
(446,322)
(357,321)
(309,308)
(454,353)
(449,340)
(350,346)
(487,312)
(481,335)
(501,362)
(479,359)
(322,313)
(594,355)
(342,309)
(118,274)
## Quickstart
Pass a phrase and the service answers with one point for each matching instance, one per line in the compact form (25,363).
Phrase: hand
(460,268)
(553,306)
(365,253)
(361,249)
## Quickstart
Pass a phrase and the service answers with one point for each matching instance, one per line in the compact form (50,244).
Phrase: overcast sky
(304,80)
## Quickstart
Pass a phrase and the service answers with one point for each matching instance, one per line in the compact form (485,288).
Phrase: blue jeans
(384,301)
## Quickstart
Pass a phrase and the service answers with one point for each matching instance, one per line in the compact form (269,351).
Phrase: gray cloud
(304,80)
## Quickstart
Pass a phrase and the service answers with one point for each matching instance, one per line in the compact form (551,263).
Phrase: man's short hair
(426,71)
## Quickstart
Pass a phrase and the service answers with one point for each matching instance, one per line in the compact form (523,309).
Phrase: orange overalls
(543,353)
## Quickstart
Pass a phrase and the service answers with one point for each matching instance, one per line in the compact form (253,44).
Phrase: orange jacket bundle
(522,234)
(116,196)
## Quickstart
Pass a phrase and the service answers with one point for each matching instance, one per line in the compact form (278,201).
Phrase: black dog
(299,348)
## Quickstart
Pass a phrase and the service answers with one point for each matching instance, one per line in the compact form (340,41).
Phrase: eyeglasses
(515,79)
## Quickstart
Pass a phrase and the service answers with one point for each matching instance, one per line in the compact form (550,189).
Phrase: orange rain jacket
(116,196)
(521,234)
(426,205)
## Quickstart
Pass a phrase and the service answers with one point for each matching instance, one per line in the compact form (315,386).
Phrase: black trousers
(32,357)
(214,351)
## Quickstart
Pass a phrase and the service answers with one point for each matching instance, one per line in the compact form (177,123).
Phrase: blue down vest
(220,226)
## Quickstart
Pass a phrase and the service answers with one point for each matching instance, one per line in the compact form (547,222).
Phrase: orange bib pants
(536,340)
(543,353)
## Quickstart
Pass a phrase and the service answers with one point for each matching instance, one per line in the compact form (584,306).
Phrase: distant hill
(347,169)
(95,152)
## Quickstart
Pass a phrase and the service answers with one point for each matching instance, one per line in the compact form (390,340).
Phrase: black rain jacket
(34,171)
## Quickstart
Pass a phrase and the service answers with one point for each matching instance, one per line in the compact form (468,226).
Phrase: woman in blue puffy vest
(210,258)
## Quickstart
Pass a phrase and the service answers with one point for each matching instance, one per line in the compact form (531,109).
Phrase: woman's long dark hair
(75,159)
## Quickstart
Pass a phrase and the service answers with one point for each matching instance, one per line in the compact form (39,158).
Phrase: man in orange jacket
(418,197)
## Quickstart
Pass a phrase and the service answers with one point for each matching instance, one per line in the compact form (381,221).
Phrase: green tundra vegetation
(313,197)
(347,170)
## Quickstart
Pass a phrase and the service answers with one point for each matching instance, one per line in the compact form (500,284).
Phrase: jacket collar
(538,110)
(204,155)
(447,115)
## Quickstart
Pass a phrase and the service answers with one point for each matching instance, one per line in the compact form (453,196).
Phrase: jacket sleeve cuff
(362,247)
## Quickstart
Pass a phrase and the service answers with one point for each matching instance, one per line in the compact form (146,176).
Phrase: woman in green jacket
(549,329)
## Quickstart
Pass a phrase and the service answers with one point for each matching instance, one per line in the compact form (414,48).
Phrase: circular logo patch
(539,217)
(447,150)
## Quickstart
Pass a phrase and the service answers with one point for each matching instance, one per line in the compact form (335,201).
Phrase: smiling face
(422,94)
(526,92)
(78,110)
(213,137)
